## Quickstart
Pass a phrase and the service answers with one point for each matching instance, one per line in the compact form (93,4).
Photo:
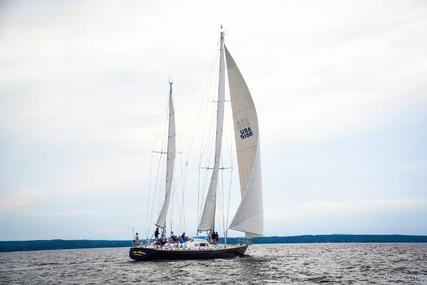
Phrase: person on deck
(156,233)
(163,241)
(173,238)
(215,237)
(136,240)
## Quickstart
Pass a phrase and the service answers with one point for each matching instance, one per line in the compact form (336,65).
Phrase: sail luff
(207,221)
(249,215)
(170,161)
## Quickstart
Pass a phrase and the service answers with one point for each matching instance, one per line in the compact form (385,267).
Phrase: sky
(340,90)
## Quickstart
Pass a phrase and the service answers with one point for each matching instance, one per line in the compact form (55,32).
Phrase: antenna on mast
(222,32)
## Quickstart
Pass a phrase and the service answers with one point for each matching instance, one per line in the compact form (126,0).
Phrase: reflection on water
(284,263)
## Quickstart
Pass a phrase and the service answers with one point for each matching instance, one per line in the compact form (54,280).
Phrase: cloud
(339,88)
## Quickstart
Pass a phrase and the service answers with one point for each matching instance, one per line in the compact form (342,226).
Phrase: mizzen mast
(170,157)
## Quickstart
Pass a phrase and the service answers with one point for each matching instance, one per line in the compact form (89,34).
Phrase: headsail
(170,156)
(207,221)
(249,216)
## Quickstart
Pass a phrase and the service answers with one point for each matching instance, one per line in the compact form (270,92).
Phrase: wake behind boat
(249,215)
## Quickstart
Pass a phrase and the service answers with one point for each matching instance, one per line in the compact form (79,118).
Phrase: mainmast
(170,157)
(207,221)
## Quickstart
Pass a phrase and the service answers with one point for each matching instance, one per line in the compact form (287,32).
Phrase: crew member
(136,240)
(156,233)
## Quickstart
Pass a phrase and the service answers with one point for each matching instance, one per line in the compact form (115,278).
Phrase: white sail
(249,216)
(207,221)
(170,156)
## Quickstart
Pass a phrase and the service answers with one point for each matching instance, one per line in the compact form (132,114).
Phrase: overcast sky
(340,89)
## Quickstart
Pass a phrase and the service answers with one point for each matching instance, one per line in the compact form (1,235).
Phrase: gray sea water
(275,264)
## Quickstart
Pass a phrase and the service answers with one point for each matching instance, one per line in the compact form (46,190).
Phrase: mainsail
(207,221)
(249,216)
(170,157)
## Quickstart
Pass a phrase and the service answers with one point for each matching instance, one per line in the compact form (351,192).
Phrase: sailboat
(249,215)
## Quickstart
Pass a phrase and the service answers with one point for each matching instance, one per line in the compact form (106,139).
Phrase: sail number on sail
(244,128)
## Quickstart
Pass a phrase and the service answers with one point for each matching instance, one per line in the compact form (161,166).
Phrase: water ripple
(264,264)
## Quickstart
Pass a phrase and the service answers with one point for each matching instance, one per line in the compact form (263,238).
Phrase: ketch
(249,215)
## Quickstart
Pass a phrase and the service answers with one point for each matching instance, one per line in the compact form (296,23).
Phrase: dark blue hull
(148,253)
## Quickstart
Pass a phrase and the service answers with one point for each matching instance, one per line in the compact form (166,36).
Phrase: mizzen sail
(170,157)
(249,216)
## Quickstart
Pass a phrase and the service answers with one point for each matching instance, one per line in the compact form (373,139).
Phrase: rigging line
(207,146)
(206,142)
(202,158)
(183,173)
(159,176)
(224,224)
(178,195)
(175,207)
(208,110)
(159,168)
(210,139)
(218,202)
(209,119)
(175,190)
(228,203)
(149,194)
(231,180)
(207,136)
(172,206)
(177,187)
(205,154)
(154,195)
(162,185)
(210,151)
(204,97)
(163,127)
(159,134)
(198,202)
(178,182)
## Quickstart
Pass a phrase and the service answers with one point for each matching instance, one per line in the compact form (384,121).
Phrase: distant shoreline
(57,244)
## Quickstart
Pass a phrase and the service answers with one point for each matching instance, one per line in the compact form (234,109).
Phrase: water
(275,264)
